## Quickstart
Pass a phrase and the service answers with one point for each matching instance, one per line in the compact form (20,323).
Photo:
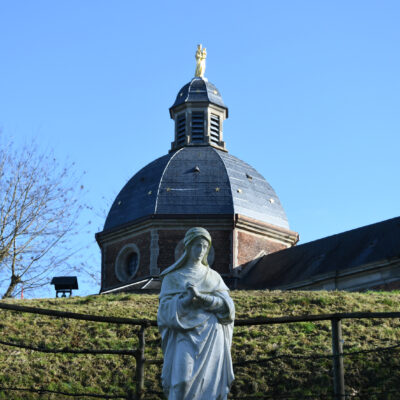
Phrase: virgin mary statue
(195,319)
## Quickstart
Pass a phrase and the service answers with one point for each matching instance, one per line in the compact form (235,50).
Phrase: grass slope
(367,375)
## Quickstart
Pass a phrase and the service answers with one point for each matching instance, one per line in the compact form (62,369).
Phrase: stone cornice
(165,222)
(282,235)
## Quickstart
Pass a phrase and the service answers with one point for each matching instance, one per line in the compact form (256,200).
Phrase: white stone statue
(195,319)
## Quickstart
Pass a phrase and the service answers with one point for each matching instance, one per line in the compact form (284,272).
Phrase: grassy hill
(367,375)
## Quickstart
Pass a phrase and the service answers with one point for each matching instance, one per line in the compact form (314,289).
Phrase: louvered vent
(197,126)
(214,128)
(181,130)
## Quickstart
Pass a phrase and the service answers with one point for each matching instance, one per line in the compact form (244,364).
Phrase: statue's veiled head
(193,237)
(194,241)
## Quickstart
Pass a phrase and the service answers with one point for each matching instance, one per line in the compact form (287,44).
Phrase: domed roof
(199,90)
(197,180)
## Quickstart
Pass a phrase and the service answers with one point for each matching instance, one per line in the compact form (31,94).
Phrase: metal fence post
(140,360)
(337,350)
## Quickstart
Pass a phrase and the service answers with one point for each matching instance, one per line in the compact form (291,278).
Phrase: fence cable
(71,351)
(315,356)
(43,391)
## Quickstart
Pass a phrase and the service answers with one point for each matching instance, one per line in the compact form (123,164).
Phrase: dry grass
(115,374)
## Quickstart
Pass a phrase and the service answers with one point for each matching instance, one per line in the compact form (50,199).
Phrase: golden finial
(201,55)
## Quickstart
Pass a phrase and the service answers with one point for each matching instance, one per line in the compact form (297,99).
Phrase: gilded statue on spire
(201,55)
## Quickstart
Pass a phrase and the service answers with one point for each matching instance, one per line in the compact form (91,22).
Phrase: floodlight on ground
(64,285)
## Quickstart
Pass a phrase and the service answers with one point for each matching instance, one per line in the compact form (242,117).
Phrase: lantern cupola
(199,111)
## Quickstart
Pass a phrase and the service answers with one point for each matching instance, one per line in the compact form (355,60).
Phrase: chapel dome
(197,180)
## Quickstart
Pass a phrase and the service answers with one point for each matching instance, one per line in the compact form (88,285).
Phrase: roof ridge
(162,176)
(226,171)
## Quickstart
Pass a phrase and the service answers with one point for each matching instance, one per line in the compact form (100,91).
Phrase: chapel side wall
(351,285)
(387,286)
(250,245)
(111,250)
(360,278)
(168,239)
(222,243)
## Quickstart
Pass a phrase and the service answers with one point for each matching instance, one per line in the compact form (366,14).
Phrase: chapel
(199,183)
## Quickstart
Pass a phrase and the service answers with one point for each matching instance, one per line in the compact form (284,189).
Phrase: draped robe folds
(196,340)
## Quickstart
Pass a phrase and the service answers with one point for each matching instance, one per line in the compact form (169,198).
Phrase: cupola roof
(199,90)
(197,181)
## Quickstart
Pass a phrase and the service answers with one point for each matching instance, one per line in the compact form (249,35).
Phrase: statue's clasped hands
(192,293)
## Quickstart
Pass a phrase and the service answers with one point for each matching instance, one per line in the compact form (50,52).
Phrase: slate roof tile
(178,189)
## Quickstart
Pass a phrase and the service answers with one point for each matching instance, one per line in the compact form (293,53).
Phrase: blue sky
(312,89)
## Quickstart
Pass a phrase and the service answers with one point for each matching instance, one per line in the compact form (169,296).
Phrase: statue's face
(198,249)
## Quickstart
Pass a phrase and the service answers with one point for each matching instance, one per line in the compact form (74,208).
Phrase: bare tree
(39,209)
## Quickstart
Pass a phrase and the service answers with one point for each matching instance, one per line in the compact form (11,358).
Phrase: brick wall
(142,241)
(168,239)
(250,245)
(222,242)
